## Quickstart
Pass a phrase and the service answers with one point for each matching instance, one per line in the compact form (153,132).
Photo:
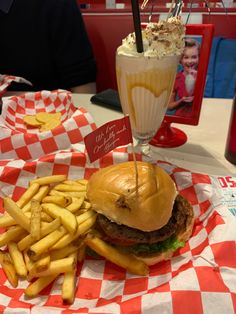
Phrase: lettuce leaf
(171,243)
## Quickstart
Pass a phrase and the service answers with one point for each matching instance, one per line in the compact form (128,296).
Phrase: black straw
(137,25)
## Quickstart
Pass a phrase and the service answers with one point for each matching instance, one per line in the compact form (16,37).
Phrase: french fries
(45,217)
(129,262)
(69,283)
(11,234)
(86,205)
(71,182)
(75,204)
(82,181)
(68,220)
(25,242)
(65,251)
(36,223)
(9,269)
(63,265)
(70,188)
(38,285)
(45,243)
(42,192)
(68,193)
(41,264)
(17,259)
(28,195)
(59,200)
(84,226)
(16,213)
(6,221)
(49,180)
(28,262)
(35,219)
(47,231)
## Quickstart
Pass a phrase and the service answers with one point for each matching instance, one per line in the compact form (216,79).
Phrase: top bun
(112,192)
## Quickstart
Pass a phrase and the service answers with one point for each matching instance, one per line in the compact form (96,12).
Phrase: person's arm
(89,88)
(174,103)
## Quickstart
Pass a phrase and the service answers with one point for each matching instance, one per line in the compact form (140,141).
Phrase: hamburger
(150,220)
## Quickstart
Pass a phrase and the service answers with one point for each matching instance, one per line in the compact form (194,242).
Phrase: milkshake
(190,83)
(145,80)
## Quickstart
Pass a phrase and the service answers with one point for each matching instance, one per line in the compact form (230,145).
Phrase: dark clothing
(45,42)
(5,5)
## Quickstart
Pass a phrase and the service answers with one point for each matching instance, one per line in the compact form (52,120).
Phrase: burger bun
(113,192)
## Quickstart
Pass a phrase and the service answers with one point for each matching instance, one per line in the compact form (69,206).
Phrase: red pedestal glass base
(168,137)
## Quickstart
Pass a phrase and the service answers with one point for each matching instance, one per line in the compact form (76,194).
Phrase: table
(204,150)
(211,252)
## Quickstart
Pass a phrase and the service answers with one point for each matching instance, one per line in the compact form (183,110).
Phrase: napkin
(200,278)
(5,81)
(16,141)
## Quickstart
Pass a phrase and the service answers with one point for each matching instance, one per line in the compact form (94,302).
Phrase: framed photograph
(186,99)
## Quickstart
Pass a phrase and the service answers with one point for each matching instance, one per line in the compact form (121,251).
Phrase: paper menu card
(226,186)
(200,278)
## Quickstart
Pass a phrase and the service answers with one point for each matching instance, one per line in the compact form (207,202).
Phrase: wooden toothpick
(136,173)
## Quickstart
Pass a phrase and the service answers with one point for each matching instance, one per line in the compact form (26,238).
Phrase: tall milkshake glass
(145,85)
(145,79)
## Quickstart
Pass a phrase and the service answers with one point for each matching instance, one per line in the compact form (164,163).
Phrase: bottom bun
(164,256)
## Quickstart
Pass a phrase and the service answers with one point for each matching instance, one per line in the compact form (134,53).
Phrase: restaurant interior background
(108,21)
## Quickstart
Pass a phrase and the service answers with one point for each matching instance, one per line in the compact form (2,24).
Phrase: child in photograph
(183,92)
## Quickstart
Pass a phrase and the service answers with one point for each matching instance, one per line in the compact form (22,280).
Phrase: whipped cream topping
(165,38)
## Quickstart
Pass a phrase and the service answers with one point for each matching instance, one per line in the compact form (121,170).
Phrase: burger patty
(121,234)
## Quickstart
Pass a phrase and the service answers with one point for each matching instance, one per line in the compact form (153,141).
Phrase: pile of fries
(46,233)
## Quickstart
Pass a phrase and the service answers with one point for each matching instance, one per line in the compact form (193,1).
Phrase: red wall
(106,34)
(107,28)
(225,25)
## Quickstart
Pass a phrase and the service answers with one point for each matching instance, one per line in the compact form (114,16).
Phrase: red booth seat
(106,33)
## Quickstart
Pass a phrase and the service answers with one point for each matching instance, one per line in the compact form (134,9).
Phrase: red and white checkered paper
(6,80)
(200,278)
(18,141)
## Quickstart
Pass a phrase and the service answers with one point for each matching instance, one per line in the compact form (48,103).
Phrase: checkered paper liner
(6,80)
(200,278)
(18,141)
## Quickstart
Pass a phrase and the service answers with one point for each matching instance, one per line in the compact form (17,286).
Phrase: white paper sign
(227,191)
